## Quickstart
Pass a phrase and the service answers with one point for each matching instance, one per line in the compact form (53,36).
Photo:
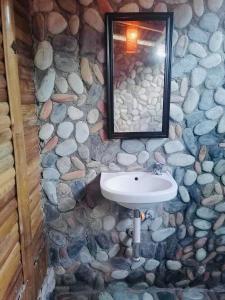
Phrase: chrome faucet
(157,168)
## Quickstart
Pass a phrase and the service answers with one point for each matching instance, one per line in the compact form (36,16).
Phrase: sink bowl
(138,190)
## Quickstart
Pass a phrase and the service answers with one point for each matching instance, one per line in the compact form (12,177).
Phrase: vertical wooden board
(14,95)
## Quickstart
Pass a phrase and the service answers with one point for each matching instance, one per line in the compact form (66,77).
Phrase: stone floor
(120,291)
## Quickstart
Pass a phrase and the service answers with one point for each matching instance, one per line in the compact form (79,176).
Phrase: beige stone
(86,73)
(74,23)
(98,74)
(130,7)
(85,2)
(94,20)
(147,4)
(56,23)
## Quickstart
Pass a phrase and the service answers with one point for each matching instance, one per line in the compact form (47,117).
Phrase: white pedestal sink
(138,190)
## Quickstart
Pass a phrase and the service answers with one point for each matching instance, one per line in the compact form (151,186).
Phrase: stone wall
(183,241)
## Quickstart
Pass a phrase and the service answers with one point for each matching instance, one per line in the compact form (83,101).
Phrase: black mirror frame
(109,18)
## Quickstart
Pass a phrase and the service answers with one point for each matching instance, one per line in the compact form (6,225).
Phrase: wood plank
(23,36)
(7,210)
(4,108)
(7,226)
(21,22)
(8,243)
(35,197)
(3,83)
(25,72)
(5,135)
(3,95)
(6,163)
(15,286)
(8,270)
(7,176)
(25,61)
(12,75)
(28,98)
(7,192)
(5,149)
(4,122)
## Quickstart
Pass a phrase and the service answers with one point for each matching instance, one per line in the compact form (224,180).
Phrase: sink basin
(138,190)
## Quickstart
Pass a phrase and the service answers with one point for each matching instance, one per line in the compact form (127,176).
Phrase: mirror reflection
(139,52)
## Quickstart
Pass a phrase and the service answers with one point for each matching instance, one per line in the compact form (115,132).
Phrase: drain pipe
(136,235)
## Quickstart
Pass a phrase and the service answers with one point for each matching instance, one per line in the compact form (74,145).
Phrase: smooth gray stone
(65,62)
(205,127)
(58,113)
(206,213)
(215,77)
(206,101)
(194,118)
(219,168)
(209,22)
(190,141)
(45,89)
(162,234)
(202,224)
(207,139)
(132,146)
(198,35)
(185,65)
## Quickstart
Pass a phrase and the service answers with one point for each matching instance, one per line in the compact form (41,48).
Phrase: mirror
(138,74)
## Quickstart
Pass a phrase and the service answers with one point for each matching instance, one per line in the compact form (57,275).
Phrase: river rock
(205,127)
(68,5)
(221,125)
(198,7)
(63,164)
(130,7)
(211,61)
(154,144)
(82,132)
(206,213)
(75,113)
(93,116)
(143,157)
(190,141)
(185,65)
(182,15)
(197,50)
(44,56)
(61,84)
(202,224)
(176,113)
(74,24)
(201,254)
(94,20)
(209,22)
(185,197)
(49,188)
(56,23)
(86,71)
(58,113)
(160,7)
(66,148)
(65,62)
(132,146)
(119,274)
(173,265)
(181,46)
(215,41)
(76,83)
(190,177)
(181,160)
(198,76)
(162,234)
(173,146)
(151,265)
(219,169)
(198,35)
(191,101)
(126,159)
(219,96)
(214,5)
(65,129)
(46,131)
(46,87)
(205,179)
(147,4)
(214,113)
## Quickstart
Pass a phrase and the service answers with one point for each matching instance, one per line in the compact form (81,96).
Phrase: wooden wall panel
(23,250)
